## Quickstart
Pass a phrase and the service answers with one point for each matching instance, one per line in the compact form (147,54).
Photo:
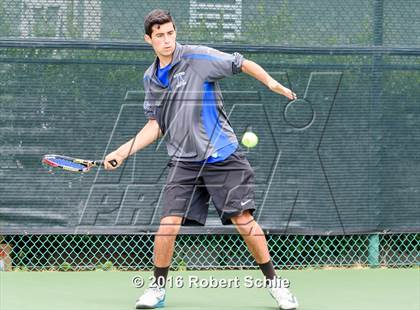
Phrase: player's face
(162,39)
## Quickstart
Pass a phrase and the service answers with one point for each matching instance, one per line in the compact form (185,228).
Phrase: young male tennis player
(184,104)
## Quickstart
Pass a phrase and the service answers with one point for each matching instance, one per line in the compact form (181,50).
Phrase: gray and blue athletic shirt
(187,103)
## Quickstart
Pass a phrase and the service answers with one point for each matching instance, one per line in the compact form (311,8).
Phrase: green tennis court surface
(395,289)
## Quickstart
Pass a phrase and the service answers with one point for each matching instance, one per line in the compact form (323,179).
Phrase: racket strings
(61,162)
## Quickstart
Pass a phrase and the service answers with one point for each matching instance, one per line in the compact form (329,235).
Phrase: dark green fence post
(376,118)
(375,126)
(373,250)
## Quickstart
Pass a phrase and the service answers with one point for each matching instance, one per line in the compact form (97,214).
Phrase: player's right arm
(146,136)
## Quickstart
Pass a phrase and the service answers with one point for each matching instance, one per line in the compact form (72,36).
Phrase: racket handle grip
(112,162)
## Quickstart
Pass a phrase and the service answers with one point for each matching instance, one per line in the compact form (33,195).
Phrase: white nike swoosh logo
(245,202)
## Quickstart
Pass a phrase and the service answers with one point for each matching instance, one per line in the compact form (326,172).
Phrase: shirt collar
(176,58)
(177,54)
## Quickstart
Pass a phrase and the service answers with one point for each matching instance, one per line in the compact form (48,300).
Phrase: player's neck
(164,60)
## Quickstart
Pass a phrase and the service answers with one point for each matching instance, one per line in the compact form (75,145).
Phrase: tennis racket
(72,164)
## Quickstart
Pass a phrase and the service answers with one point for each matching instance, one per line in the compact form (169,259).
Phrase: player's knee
(168,230)
(170,225)
(242,219)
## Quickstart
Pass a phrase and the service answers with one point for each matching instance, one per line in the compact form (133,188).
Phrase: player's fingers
(106,165)
(290,94)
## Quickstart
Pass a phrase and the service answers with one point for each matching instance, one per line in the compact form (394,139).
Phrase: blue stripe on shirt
(202,56)
(163,74)
(213,128)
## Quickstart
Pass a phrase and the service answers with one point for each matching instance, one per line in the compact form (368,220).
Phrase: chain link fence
(263,22)
(134,252)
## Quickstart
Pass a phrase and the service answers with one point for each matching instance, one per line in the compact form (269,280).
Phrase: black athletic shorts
(189,186)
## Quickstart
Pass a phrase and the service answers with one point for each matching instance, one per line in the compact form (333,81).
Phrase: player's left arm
(257,72)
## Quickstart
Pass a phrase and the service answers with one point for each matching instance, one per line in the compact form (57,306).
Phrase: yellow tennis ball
(250,139)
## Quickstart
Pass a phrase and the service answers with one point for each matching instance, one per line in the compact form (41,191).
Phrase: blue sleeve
(212,64)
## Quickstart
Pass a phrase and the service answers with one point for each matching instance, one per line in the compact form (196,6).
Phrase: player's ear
(148,39)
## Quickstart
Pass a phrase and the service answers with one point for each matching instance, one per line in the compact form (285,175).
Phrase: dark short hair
(156,17)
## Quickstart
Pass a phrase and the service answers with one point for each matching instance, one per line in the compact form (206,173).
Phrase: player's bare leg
(253,236)
(154,296)
(255,240)
(165,240)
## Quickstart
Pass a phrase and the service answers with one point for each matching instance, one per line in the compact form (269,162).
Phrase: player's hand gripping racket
(72,164)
